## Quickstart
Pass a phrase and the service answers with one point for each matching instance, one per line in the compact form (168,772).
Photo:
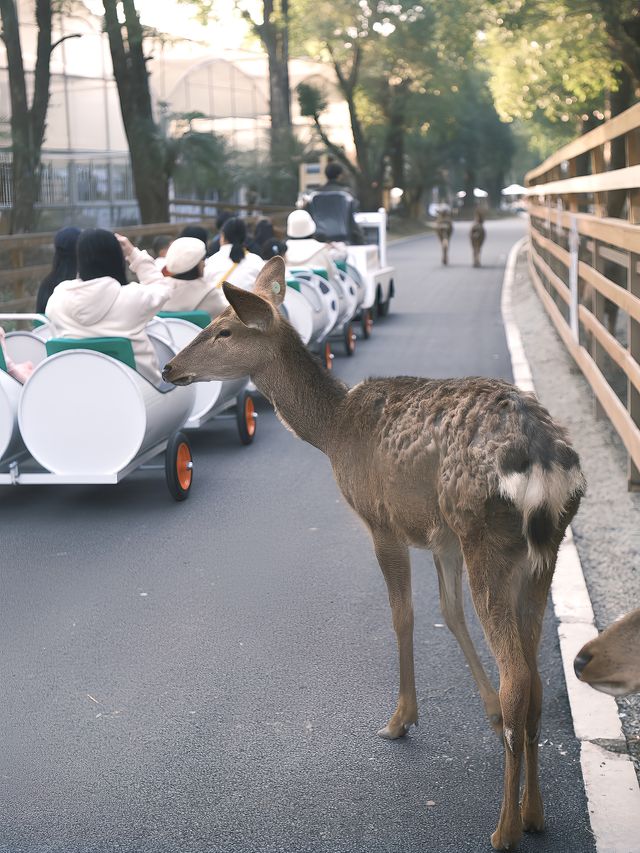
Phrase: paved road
(210,676)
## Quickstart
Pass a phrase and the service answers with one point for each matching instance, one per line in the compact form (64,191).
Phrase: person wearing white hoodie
(184,262)
(232,262)
(100,303)
(303,250)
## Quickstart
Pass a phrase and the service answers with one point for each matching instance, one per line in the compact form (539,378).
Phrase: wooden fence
(585,264)
(26,258)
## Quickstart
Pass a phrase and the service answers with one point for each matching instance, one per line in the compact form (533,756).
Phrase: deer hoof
(501,840)
(393,731)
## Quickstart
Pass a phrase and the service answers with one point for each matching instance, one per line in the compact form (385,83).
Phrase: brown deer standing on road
(611,662)
(477,235)
(444,228)
(473,469)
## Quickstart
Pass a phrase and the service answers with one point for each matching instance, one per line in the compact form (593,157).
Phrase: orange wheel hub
(249,411)
(327,356)
(183,467)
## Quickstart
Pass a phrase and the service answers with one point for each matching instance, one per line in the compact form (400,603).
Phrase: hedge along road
(210,676)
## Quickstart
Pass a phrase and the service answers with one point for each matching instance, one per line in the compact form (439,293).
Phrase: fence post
(597,352)
(574,249)
(632,143)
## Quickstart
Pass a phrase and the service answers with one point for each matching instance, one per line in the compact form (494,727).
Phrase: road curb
(610,780)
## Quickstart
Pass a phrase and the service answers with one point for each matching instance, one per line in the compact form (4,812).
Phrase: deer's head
(240,340)
(611,662)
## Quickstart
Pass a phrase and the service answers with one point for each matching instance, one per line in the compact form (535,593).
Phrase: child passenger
(233,263)
(184,263)
(100,303)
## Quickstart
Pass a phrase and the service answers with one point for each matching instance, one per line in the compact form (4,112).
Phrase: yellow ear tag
(275,287)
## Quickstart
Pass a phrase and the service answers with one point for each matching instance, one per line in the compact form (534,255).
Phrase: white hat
(184,254)
(300,224)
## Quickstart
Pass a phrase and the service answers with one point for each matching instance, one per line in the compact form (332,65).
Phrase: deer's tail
(540,473)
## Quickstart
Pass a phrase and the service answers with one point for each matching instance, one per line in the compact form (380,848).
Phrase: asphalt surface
(210,676)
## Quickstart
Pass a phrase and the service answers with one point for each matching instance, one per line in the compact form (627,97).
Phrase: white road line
(609,778)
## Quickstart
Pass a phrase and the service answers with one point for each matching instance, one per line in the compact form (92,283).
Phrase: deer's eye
(225,333)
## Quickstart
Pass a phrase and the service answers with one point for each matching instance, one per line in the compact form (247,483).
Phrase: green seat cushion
(36,323)
(3,363)
(342,265)
(322,272)
(118,348)
(198,318)
(293,284)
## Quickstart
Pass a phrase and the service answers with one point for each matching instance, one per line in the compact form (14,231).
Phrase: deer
(444,229)
(611,662)
(473,469)
(477,235)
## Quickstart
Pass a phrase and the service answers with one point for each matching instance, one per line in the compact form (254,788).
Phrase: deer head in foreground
(611,662)
(473,469)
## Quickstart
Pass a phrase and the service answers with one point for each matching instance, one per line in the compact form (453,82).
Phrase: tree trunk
(274,35)
(146,143)
(27,123)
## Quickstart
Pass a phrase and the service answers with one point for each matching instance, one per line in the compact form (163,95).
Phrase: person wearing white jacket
(100,303)
(232,262)
(303,250)
(192,291)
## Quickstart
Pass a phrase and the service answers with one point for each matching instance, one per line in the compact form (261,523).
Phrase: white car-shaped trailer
(370,262)
(323,304)
(85,415)
(215,399)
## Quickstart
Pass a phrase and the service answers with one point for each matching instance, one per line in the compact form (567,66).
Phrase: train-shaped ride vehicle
(362,290)
(85,415)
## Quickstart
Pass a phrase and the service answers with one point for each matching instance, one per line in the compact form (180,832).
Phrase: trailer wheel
(383,307)
(246,417)
(367,323)
(349,339)
(178,466)
(327,356)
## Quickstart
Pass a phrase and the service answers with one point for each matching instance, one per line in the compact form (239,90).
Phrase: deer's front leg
(393,557)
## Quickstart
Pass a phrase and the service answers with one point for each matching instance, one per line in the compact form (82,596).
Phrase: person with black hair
(199,232)
(214,245)
(64,265)
(263,233)
(97,304)
(233,263)
(160,247)
(333,207)
(334,174)
(192,291)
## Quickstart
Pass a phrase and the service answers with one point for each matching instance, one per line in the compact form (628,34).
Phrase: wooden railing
(585,264)
(26,258)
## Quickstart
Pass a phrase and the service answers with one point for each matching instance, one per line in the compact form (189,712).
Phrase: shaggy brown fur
(473,469)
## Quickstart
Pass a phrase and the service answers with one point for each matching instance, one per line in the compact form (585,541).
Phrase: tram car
(85,415)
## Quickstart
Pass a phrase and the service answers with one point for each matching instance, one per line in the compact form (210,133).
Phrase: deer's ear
(271,283)
(254,311)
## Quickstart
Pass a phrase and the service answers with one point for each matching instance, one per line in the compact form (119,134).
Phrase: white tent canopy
(514,189)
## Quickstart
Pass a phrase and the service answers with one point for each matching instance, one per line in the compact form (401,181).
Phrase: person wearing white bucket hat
(184,264)
(303,250)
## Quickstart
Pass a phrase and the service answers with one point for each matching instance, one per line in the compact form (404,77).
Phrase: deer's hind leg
(449,563)
(393,557)
(496,573)
(533,600)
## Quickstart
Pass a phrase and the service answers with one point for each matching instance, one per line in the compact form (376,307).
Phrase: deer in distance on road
(472,469)
(444,229)
(477,235)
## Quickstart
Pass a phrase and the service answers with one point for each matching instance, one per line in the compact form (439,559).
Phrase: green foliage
(199,163)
